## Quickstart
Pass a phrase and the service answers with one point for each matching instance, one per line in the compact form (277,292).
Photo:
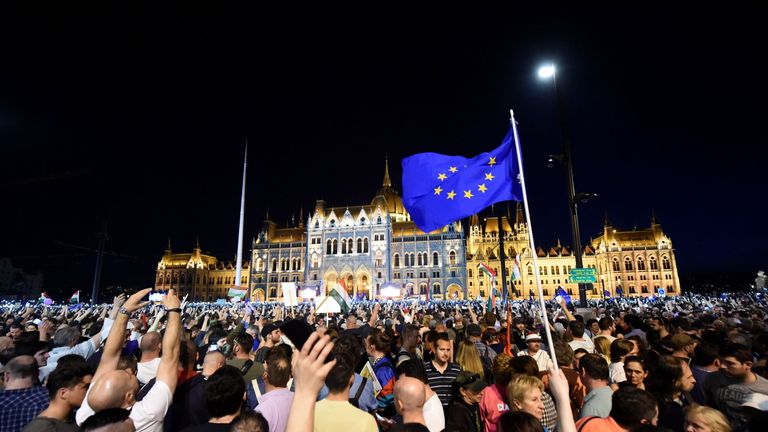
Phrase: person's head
(706,354)
(593,326)
(348,348)
(271,333)
(737,361)
(533,342)
(518,421)
(37,349)
(525,394)
(633,321)
(519,324)
(469,359)
(277,367)
(577,355)
(16,331)
(632,407)
(71,360)
(243,344)
(249,421)
(606,324)
(602,346)
(502,371)
(683,343)
(525,365)
(409,395)
(351,322)
(69,385)
(212,362)
(670,377)
(620,348)
(378,343)
(474,332)
(658,324)
(225,392)
(443,347)
(411,337)
(700,418)
(114,389)
(151,344)
(469,387)
(564,354)
(593,367)
(129,364)
(340,378)
(109,420)
(66,337)
(576,328)
(21,371)
(634,369)
(412,369)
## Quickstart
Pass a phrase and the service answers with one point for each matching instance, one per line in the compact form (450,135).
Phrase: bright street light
(547,71)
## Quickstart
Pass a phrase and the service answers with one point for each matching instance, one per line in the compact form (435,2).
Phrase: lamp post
(546,72)
(602,284)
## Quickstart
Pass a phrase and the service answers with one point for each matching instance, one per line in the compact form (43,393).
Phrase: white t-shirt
(616,373)
(147,415)
(147,370)
(542,359)
(434,416)
(587,344)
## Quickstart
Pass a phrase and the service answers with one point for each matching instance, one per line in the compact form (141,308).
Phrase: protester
(634,370)
(441,372)
(275,403)
(533,344)
(464,411)
(671,382)
(66,389)
(594,375)
(335,413)
(22,399)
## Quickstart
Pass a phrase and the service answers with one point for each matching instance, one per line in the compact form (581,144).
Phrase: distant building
(15,284)
(363,246)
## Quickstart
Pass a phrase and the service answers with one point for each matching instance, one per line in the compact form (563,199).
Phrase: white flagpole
(239,268)
(544,319)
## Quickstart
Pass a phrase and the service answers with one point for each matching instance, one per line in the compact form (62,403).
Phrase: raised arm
(111,354)
(374,315)
(168,370)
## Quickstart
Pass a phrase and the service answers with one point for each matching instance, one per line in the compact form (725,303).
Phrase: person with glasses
(463,413)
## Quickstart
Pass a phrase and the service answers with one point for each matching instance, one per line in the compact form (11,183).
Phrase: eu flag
(440,189)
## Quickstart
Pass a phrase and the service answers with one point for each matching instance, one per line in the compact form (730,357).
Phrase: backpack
(356,400)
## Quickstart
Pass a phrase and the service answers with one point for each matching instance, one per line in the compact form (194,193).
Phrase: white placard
(326,305)
(289,293)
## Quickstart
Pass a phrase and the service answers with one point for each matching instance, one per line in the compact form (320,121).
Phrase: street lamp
(602,284)
(546,72)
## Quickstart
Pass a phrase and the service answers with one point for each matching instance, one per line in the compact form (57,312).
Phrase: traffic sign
(662,292)
(583,275)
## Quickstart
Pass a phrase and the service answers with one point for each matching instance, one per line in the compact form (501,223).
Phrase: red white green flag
(491,274)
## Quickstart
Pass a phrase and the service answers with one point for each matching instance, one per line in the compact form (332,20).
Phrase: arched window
(665,263)
(470,272)
(628,264)
(378,220)
(273,292)
(653,264)
(422,288)
(314,261)
(259,265)
(335,247)
(397,260)
(565,270)
(274,264)
(640,264)
(365,244)
(174,279)
(452,258)
(328,249)
(530,272)
(616,265)
(333,223)
(317,224)
(359,245)
(343,246)
(419,259)
(379,259)
(632,289)
(436,289)
(435,258)
(644,289)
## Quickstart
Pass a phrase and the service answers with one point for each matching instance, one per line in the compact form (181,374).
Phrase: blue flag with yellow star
(440,189)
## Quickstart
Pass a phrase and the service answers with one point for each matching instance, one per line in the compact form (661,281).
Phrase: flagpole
(239,267)
(544,319)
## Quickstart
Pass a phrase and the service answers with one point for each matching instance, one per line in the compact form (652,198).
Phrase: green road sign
(583,275)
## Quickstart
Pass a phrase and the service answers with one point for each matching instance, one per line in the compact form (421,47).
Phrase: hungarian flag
(516,268)
(75,297)
(236,292)
(342,298)
(491,274)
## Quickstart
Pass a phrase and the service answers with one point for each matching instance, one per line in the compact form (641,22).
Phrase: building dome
(388,197)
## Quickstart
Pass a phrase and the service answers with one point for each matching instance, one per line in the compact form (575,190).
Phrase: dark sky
(138,116)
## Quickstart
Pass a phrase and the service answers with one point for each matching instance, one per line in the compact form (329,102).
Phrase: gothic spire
(387,182)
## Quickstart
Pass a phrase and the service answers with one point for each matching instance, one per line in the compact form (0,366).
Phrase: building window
(545,291)
(640,263)
(628,264)
(397,260)
(397,275)
(452,258)
(653,264)
(453,273)
(665,263)
(632,289)
(419,259)
(644,289)
(343,246)
(335,247)
(379,259)
(359,245)
(315,262)
(435,274)
(273,292)
(470,272)
(436,289)
(378,220)
(530,271)
(365,244)
(422,288)
(616,265)
(328,248)
(435,258)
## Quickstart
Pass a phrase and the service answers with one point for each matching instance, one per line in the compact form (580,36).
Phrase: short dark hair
(224,391)
(605,323)
(739,352)
(249,421)
(620,348)
(705,354)
(337,380)
(65,378)
(576,328)
(518,421)
(22,367)
(631,405)
(279,367)
(412,369)
(563,352)
(105,417)
(71,360)
(347,348)
(525,365)
(442,337)
(595,366)
(665,373)
(245,341)
(128,362)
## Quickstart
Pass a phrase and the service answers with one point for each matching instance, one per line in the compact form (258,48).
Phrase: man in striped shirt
(441,372)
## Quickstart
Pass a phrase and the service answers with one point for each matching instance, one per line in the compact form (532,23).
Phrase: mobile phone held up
(298,331)
(157,296)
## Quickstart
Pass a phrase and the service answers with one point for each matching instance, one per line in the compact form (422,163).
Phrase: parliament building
(363,247)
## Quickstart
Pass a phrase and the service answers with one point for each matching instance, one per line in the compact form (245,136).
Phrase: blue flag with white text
(440,189)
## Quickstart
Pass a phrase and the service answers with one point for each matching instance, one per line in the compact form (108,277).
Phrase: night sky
(139,117)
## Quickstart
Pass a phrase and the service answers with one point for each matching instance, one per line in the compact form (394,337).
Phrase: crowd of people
(687,363)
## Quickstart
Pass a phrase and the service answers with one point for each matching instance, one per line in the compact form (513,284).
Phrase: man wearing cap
(271,334)
(475,333)
(683,346)
(533,343)
(464,412)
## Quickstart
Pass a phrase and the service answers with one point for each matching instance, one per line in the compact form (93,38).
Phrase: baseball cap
(268,328)
(474,330)
(757,401)
(533,337)
(680,340)
(470,381)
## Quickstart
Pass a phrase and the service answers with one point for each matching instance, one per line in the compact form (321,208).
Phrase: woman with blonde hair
(524,393)
(603,347)
(700,418)
(469,359)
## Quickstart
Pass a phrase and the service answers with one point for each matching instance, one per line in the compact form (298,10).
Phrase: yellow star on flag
(482,188)
(442,177)
(452,169)
(489,176)
(438,190)
(451,194)
(468,194)
(492,162)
